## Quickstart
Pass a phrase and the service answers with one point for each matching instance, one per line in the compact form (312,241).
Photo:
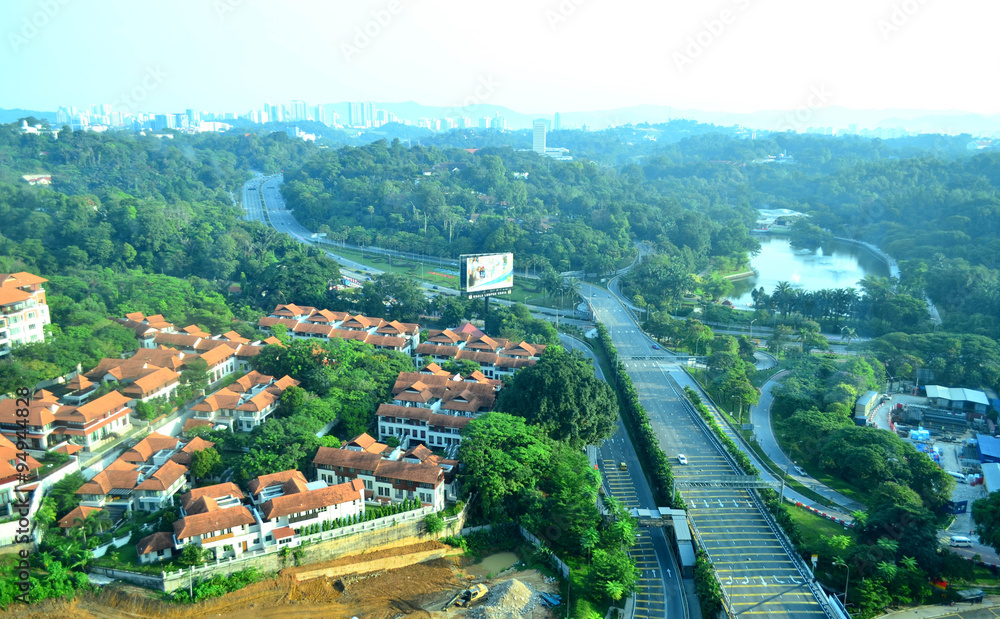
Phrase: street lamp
(751,329)
(840,563)
(781,497)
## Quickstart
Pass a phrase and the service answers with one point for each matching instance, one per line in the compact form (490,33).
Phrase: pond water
(493,564)
(839,265)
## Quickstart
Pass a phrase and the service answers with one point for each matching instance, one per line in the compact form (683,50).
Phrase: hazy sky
(530,55)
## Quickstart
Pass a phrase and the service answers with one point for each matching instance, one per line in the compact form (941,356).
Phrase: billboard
(486,275)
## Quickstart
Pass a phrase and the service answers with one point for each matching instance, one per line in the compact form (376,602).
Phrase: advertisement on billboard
(486,274)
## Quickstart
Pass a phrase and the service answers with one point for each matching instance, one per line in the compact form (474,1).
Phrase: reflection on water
(840,265)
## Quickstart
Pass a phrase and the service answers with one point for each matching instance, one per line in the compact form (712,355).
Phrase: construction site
(436,582)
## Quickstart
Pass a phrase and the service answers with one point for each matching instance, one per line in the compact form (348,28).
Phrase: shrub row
(218,585)
(706,586)
(646,443)
(742,460)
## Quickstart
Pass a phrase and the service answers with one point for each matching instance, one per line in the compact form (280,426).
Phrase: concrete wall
(388,563)
(403,532)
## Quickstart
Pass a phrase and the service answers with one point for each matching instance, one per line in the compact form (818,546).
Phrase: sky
(533,56)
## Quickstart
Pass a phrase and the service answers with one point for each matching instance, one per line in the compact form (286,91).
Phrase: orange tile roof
(259,483)
(164,477)
(305,500)
(80,511)
(216,491)
(151,383)
(233,336)
(10,296)
(148,446)
(156,542)
(39,413)
(217,355)
(107,403)
(21,278)
(209,522)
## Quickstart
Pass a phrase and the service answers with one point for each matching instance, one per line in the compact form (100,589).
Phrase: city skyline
(740,56)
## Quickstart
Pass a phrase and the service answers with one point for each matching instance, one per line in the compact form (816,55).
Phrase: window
(383,491)
(399,493)
(368,484)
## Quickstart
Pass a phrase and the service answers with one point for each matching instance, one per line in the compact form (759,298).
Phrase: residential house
(94,423)
(76,515)
(156,547)
(297,503)
(246,403)
(308,322)
(389,476)
(210,498)
(215,529)
(157,490)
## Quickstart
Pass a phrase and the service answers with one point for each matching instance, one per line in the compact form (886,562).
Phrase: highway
(660,590)
(755,567)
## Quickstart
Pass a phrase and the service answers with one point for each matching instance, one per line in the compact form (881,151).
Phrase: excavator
(467,597)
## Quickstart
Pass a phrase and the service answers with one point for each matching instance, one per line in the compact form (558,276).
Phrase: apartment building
(23,310)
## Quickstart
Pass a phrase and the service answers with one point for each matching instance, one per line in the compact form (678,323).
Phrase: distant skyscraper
(353,114)
(320,114)
(484,123)
(499,122)
(163,121)
(194,117)
(274,114)
(538,136)
(367,114)
(299,110)
(361,114)
(557,125)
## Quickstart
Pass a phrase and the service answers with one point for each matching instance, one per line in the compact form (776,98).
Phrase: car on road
(681,458)
(800,470)
(655,347)
(622,466)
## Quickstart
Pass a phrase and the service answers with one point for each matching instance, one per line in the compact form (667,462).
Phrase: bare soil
(415,592)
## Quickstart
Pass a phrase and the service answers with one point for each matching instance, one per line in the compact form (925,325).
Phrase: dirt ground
(414,592)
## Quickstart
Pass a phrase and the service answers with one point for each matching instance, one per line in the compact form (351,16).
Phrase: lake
(840,265)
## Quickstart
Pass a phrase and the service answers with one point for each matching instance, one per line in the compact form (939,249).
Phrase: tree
(205,462)
(433,524)
(613,572)
(195,374)
(63,492)
(986,515)
(561,394)
(192,555)
(503,457)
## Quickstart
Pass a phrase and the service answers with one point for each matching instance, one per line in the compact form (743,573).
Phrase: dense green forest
(555,215)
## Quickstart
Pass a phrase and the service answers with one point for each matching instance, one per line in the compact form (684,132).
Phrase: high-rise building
(320,114)
(163,121)
(557,124)
(299,110)
(194,117)
(367,114)
(484,122)
(538,136)
(361,114)
(23,310)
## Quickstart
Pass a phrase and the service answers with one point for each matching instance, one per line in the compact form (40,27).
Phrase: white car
(682,458)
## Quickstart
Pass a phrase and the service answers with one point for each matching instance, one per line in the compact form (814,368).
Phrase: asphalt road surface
(756,569)
(660,591)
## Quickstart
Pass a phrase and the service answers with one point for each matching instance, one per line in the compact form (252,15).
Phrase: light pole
(840,563)
(751,329)
(781,497)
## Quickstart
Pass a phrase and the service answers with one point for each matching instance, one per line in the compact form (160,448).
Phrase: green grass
(525,290)
(816,529)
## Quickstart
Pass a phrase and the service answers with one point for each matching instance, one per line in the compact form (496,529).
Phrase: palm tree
(848,334)
(909,563)
(887,569)
(782,296)
(614,589)
(100,520)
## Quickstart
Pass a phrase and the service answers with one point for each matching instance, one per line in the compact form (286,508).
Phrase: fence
(323,546)
(117,543)
(558,564)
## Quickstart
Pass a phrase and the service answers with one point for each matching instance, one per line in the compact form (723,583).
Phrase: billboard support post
(486,307)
